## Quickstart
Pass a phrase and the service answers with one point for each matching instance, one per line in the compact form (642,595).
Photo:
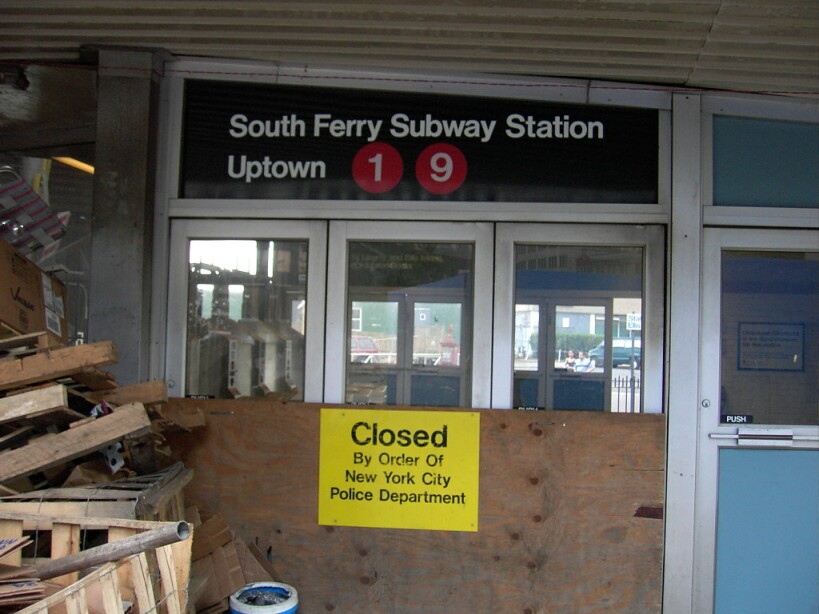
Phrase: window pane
(410,303)
(373,326)
(436,338)
(246,318)
(39,187)
(589,355)
(574,322)
(527,332)
(765,163)
(770,337)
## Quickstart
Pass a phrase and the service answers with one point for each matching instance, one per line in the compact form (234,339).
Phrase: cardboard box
(224,576)
(31,300)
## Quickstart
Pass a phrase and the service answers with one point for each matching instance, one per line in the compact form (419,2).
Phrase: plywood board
(562,517)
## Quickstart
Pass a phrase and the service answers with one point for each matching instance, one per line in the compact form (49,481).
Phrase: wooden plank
(55,363)
(157,498)
(65,540)
(94,379)
(16,436)
(124,571)
(111,595)
(181,556)
(77,493)
(183,416)
(38,400)
(36,339)
(11,529)
(115,533)
(141,581)
(115,549)
(21,592)
(73,509)
(167,574)
(75,602)
(132,576)
(130,420)
(50,403)
(146,393)
(44,522)
(558,524)
(11,573)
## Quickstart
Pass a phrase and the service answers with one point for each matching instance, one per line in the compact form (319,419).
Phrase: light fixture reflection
(73,162)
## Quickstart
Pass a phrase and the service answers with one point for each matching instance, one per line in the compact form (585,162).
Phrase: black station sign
(260,141)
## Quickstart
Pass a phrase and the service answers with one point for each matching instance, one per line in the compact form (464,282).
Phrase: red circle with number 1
(377,168)
(441,168)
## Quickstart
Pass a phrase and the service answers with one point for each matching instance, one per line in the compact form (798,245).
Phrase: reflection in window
(409,316)
(246,318)
(770,337)
(527,334)
(436,338)
(65,192)
(578,325)
(374,328)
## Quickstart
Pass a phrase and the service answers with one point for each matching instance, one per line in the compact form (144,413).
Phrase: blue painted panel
(561,280)
(579,394)
(392,384)
(764,163)
(767,532)
(525,392)
(440,390)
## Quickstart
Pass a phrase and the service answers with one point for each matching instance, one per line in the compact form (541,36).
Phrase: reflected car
(621,350)
(362,348)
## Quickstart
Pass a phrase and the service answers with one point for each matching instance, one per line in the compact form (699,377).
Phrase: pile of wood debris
(74,444)
(58,408)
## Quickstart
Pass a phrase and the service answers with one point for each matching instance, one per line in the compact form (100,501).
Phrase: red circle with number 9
(441,168)
(377,168)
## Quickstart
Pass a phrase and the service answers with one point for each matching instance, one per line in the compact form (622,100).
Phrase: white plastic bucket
(265,598)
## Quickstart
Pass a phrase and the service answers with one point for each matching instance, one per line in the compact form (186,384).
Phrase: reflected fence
(625,394)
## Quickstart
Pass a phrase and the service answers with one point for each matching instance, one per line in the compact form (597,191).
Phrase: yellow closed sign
(399,469)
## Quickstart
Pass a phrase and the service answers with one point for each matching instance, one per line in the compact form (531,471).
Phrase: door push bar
(764,437)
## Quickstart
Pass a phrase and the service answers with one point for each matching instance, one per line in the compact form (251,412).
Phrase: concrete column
(123,207)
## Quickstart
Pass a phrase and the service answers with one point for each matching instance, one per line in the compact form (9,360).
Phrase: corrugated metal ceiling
(768,46)
(758,45)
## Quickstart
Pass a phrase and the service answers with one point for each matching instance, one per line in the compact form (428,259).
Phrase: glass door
(409,312)
(241,298)
(578,377)
(561,364)
(757,504)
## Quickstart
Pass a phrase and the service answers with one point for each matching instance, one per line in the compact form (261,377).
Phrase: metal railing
(625,394)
